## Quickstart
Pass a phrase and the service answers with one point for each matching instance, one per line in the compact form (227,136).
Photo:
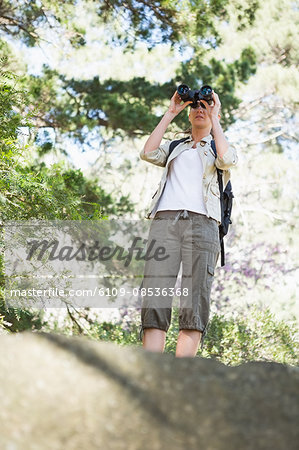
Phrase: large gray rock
(73,393)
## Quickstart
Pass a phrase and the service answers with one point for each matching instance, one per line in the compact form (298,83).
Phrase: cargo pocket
(210,276)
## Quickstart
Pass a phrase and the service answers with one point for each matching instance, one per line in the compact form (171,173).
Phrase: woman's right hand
(176,104)
(175,108)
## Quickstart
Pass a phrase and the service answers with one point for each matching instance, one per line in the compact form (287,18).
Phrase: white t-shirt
(183,188)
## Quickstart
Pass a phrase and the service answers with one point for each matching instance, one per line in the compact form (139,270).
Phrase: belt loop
(177,217)
(185,214)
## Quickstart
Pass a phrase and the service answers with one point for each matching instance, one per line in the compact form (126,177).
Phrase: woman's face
(199,118)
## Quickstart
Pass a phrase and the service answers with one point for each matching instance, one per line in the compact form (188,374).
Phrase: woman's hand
(175,107)
(176,104)
(213,110)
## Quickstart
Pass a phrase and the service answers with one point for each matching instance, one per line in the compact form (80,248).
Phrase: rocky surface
(73,393)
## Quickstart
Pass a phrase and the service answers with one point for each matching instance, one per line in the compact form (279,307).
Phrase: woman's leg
(203,245)
(159,279)
(188,343)
(154,339)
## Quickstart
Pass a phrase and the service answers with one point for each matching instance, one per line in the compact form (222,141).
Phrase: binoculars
(204,93)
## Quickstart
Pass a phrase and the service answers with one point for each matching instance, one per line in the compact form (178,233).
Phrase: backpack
(226,198)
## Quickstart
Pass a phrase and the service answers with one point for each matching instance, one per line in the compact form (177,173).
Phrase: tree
(30,190)
(129,108)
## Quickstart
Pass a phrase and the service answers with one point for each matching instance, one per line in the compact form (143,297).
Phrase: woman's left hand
(213,110)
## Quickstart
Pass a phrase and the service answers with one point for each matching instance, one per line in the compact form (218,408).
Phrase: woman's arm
(226,155)
(221,142)
(155,138)
(174,109)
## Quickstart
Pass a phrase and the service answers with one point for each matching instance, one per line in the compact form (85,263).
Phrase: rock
(73,393)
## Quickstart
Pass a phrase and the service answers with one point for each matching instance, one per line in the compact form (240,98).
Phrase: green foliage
(246,11)
(132,108)
(16,319)
(72,321)
(173,21)
(56,193)
(110,332)
(12,99)
(153,22)
(145,18)
(128,108)
(24,19)
(257,336)
(223,76)
(35,191)
(53,193)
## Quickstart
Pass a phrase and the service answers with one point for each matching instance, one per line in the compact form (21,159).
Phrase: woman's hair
(188,131)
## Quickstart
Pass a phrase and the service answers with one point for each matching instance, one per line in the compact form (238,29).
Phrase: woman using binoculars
(185,215)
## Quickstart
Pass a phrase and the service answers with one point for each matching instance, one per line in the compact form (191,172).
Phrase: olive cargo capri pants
(190,238)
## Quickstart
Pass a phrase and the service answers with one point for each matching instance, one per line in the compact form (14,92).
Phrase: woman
(188,190)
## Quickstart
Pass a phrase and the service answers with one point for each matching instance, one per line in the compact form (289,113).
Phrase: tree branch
(14,22)
(73,318)
(267,139)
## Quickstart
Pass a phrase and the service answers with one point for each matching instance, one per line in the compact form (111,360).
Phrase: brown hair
(188,131)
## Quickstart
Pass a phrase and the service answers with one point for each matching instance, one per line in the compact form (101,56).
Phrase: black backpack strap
(220,179)
(173,144)
(222,252)
(220,182)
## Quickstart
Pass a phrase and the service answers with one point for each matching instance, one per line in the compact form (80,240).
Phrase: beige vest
(210,186)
